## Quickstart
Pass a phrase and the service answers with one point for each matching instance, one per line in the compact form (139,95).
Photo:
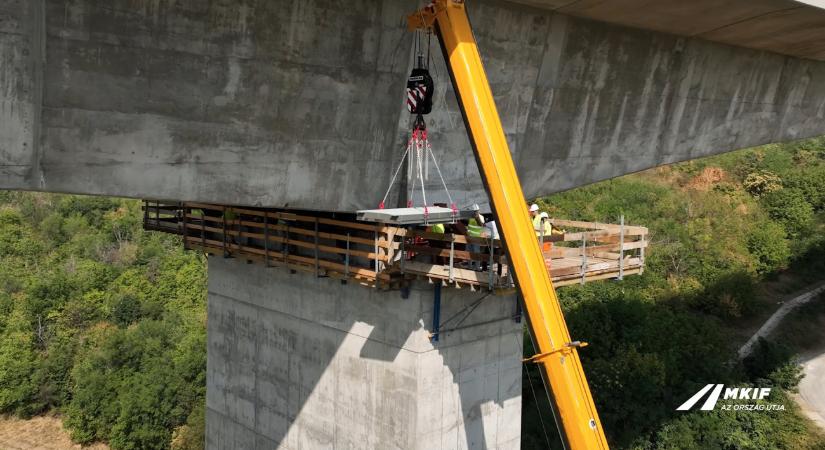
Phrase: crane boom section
(558,357)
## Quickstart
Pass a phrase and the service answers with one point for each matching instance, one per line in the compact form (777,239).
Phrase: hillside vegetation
(100,321)
(727,235)
(105,324)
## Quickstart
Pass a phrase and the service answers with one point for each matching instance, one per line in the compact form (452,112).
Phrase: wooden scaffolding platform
(339,246)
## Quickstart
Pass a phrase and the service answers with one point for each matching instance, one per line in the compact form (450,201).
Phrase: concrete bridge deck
(296,103)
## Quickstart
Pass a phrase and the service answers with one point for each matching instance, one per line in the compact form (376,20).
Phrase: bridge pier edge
(296,362)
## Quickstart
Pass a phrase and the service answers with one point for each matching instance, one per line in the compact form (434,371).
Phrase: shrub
(761,183)
(811,182)
(790,208)
(731,295)
(774,362)
(769,247)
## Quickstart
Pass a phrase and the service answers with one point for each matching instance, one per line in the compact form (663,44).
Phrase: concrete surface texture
(299,103)
(788,27)
(301,363)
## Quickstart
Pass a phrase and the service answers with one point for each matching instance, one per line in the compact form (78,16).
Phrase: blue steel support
(436,311)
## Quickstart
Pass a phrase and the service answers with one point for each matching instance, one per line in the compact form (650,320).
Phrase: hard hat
(534,207)
(475,207)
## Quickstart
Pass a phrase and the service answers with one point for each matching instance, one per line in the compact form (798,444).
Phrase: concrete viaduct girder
(299,103)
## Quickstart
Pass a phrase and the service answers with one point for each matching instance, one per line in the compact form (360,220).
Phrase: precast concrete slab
(297,362)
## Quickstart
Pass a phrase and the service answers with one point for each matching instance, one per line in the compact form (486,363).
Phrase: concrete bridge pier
(298,362)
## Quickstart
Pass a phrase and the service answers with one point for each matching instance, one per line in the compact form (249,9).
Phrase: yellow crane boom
(558,355)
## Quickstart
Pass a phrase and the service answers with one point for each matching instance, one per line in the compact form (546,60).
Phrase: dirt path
(811,395)
(39,433)
(772,322)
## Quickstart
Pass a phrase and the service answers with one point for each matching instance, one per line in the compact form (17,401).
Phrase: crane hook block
(420,90)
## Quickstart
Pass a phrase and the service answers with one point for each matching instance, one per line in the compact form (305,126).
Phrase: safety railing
(590,251)
(339,246)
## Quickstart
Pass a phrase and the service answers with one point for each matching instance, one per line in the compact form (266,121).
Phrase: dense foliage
(100,321)
(720,228)
(105,323)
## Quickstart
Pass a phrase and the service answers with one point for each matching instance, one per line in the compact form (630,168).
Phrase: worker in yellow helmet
(437,229)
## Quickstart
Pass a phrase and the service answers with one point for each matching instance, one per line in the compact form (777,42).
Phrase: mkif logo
(735,397)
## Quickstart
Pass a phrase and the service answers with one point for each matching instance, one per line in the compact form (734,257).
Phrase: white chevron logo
(730,394)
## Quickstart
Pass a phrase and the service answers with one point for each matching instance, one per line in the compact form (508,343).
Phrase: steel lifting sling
(558,356)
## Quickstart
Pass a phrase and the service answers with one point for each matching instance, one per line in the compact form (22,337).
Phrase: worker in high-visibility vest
(473,228)
(541,222)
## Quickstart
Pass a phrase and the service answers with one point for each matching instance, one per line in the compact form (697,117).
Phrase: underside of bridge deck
(300,103)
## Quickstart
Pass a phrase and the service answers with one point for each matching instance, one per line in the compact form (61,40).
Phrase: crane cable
(420,92)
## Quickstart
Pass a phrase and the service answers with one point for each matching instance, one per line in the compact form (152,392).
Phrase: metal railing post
(452,257)
(145,213)
(541,236)
(377,261)
(584,256)
(185,230)
(621,248)
(203,230)
(401,250)
(346,259)
(286,247)
(223,221)
(642,255)
(266,237)
(492,263)
(317,262)
(436,312)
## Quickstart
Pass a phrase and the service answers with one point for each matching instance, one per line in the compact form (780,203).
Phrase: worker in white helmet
(541,221)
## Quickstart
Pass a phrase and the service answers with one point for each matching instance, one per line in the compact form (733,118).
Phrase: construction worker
(473,228)
(437,229)
(541,222)
(491,229)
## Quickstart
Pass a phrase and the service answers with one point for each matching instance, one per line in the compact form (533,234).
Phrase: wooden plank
(292,258)
(593,277)
(590,251)
(445,252)
(582,224)
(364,280)
(308,232)
(292,229)
(459,238)
(635,245)
(443,272)
(589,235)
(295,242)
(629,229)
(288,216)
